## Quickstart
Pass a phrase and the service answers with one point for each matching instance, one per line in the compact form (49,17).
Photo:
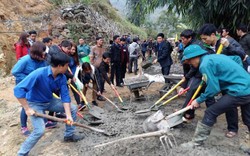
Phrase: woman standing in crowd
(23,68)
(22,46)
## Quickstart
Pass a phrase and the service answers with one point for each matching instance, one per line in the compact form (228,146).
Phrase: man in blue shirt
(224,75)
(35,95)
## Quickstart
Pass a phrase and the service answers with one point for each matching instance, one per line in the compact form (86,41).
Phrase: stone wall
(84,21)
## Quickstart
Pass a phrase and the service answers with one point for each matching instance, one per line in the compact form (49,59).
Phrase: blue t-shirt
(39,86)
(25,66)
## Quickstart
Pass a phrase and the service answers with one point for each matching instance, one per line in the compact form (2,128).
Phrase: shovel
(165,95)
(93,110)
(98,122)
(119,97)
(147,64)
(177,117)
(159,121)
(220,49)
(118,109)
(55,96)
(74,123)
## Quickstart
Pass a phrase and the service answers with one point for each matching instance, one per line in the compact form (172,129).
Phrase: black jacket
(86,77)
(115,51)
(245,43)
(103,69)
(234,48)
(164,50)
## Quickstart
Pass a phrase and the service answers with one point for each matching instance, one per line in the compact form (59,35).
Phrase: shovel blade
(147,65)
(124,108)
(92,120)
(174,121)
(95,113)
(96,108)
(150,124)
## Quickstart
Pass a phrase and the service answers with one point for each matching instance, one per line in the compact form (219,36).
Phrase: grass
(111,13)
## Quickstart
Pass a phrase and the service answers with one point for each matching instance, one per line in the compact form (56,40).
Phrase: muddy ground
(124,124)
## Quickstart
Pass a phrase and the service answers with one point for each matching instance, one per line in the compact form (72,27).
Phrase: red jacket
(21,50)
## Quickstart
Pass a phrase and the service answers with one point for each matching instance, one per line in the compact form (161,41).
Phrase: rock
(1,57)
(66,30)
(13,124)
(68,15)
(2,17)
(76,11)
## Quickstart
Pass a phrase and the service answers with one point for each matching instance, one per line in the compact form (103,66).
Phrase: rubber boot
(201,134)
(245,145)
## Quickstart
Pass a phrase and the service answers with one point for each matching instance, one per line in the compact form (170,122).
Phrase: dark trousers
(193,83)
(101,84)
(144,55)
(116,71)
(165,71)
(123,71)
(76,96)
(232,120)
(226,103)
(150,52)
(133,60)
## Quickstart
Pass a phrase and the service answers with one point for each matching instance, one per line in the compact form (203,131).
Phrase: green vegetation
(169,23)
(127,27)
(222,13)
(105,8)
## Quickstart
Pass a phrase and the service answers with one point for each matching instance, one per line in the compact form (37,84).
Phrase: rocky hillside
(58,19)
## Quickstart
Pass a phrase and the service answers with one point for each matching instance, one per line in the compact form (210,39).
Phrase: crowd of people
(44,69)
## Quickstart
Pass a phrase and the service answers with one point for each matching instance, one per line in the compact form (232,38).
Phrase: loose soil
(124,124)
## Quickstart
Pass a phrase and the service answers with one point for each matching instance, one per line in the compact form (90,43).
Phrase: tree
(171,23)
(134,16)
(222,13)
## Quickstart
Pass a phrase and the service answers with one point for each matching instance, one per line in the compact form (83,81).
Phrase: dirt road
(125,124)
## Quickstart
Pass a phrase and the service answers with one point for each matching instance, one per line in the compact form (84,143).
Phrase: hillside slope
(45,16)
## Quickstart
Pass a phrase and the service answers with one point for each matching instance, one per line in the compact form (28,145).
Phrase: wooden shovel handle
(178,112)
(79,93)
(179,94)
(117,94)
(170,91)
(196,92)
(65,121)
(219,49)
(104,97)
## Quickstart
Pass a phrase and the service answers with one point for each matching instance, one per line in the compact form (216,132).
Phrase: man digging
(224,75)
(35,94)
